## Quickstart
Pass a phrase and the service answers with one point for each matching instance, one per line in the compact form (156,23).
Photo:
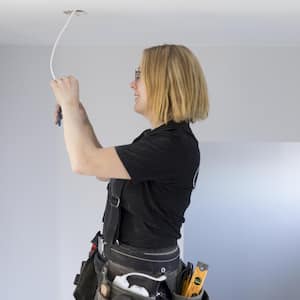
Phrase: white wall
(47,213)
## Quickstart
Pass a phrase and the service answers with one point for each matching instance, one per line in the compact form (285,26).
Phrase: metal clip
(115,204)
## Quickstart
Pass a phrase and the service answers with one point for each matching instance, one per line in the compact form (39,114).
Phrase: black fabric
(144,261)
(111,217)
(163,164)
(86,282)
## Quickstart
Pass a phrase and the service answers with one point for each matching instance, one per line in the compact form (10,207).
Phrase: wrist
(71,105)
(75,108)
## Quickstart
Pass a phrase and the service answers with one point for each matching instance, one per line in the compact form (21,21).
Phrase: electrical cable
(56,42)
(52,55)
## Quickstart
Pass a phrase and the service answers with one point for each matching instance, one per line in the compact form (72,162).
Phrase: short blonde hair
(175,84)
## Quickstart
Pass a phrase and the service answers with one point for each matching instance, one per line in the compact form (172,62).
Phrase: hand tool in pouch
(185,277)
(196,282)
(105,287)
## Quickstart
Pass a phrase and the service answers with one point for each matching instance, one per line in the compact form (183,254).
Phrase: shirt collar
(169,126)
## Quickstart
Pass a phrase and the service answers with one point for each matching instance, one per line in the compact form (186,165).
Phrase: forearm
(90,129)
(79,135)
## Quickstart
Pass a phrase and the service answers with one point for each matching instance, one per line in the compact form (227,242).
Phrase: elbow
(78,165)
(76,169)
(81,168)
(83,165)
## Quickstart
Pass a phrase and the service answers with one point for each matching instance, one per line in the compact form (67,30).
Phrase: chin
(137,109)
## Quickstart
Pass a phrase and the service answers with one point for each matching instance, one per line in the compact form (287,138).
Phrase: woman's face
(138,85)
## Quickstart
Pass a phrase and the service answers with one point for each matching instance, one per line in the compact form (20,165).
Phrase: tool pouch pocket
(202,296)
(120,293)
(179,283)
(86,281)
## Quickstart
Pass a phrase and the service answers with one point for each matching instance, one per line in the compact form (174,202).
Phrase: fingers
(65,88)
(62,79)
(58,81)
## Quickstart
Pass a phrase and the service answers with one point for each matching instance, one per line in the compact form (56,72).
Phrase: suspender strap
(111,217)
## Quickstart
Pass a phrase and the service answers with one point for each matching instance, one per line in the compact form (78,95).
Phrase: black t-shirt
(163,164)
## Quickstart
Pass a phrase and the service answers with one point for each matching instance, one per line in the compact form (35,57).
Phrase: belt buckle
(115,204)
(100,245)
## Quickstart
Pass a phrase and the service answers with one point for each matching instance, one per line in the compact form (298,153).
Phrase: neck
(155,125)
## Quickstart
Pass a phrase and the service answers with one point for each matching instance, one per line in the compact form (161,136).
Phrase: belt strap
(149,261)
(111,217)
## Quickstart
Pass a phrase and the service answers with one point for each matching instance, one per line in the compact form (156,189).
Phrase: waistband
(154,261)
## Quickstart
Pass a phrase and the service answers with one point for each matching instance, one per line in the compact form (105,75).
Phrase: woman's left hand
(66,90)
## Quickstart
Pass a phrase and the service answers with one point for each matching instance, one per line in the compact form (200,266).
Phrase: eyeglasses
(137,74)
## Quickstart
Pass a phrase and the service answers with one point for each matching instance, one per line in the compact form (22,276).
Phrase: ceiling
(142,22)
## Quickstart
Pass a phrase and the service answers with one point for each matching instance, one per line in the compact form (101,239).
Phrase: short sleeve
(150,158)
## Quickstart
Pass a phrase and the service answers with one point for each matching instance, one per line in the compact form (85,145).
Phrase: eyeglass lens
(137,73)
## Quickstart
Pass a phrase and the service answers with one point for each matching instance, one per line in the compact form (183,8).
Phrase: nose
(133,84)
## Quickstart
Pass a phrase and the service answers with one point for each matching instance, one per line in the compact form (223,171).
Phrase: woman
(157,171)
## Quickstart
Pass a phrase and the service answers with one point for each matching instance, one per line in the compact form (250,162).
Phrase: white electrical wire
(56,42)
(161,278)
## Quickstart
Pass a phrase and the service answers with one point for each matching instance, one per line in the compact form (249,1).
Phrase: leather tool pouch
(202,296)
(120,293)
(158,291)
(87,281)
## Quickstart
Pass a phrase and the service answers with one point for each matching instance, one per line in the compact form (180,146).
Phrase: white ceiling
(141,22)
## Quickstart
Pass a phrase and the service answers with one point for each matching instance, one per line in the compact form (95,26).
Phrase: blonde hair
(175,84)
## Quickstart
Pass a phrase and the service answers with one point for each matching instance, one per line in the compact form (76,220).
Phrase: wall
(48,214)
(244,220)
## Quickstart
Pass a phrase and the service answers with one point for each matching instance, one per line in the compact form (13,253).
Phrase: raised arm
(86,154)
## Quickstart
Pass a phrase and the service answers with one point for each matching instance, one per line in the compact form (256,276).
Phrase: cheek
(144,95)
(143,90)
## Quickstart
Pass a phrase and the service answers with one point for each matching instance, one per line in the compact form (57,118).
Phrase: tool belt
(106,248)
(146,261)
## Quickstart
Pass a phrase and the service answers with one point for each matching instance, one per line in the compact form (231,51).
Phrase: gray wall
(48,214)
(244,220)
